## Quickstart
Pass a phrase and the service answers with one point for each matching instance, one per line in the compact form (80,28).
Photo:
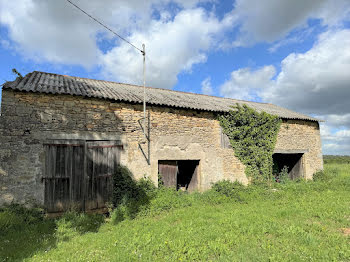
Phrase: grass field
(295,221)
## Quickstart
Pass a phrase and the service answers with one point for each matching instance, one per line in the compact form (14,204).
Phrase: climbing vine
(253,137)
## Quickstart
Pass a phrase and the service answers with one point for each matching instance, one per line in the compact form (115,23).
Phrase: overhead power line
(109,29)
(143,52)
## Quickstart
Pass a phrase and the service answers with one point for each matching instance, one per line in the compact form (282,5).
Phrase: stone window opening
(180,174)
(293,162)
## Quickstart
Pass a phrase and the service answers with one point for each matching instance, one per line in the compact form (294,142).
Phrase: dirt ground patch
(345,231)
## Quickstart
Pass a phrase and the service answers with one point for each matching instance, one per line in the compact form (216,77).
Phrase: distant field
(329,159)
(296,221)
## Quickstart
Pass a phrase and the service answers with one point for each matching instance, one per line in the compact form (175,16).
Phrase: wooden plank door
(102,160)
(79,175)
(297,170)
(168,170)
(63,177)
(193,185)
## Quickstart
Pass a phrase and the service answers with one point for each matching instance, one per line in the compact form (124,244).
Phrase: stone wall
(30,119)
(297,136)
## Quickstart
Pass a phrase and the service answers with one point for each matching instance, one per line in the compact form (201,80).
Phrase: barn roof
(41,82)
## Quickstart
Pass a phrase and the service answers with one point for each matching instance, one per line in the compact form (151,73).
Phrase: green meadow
(290,221)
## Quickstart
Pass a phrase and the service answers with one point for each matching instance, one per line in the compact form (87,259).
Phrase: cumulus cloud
(247,84)
(338,120)
(172,46)
(335,133)
(49,30)
(57,32)
(335,142)
(270,20)
(316,82)
(206,86)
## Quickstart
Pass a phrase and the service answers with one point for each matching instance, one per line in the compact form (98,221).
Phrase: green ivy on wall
(253,138)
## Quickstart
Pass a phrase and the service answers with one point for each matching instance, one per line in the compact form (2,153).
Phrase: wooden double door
(78,174)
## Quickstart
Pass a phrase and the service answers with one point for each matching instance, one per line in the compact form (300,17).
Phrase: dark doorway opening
(292,161)
(179,174)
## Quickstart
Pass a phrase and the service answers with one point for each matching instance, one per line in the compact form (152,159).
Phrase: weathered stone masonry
(30,119)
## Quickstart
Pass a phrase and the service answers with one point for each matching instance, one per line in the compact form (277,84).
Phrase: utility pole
(145,128)
(143,52)
(144,89)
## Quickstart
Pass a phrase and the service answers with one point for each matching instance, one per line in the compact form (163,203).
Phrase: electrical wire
(109,29)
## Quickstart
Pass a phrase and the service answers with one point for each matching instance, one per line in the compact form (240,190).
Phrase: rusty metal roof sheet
(41,82)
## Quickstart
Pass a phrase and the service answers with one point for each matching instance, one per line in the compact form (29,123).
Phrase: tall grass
(293,221)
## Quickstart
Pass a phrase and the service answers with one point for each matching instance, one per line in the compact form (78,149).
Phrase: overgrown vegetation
(129,196)
(292,221)
(74,224)
(17,217)
(330,159)
(26,231)
(253,137)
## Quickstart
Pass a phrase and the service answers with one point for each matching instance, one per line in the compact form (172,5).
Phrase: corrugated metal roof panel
(42,82)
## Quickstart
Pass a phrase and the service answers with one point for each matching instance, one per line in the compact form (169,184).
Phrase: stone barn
(61,138)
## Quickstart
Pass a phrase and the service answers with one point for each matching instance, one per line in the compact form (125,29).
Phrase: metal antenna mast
(144,128)
(144,89)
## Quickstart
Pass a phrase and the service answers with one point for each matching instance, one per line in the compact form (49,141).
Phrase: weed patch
(73,224)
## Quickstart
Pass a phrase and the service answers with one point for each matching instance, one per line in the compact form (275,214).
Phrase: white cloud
(206,86)
(5,44)
(271,20)
(57,32)
(49,30)
(338,120)
(315,82)
(172,46)
(335,142)
(247,84)
(299,38)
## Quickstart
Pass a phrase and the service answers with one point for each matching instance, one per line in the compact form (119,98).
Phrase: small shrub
(119,214)
(167,199)
(213,197)
(324,176)
(161,200)
(130,196)
(283,176)
(146,185)
(126,188)
(230,189)
(160,181)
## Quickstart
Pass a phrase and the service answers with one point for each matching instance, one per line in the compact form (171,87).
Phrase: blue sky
(292,53)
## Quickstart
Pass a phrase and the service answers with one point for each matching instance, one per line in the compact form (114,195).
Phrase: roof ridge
(165,89)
